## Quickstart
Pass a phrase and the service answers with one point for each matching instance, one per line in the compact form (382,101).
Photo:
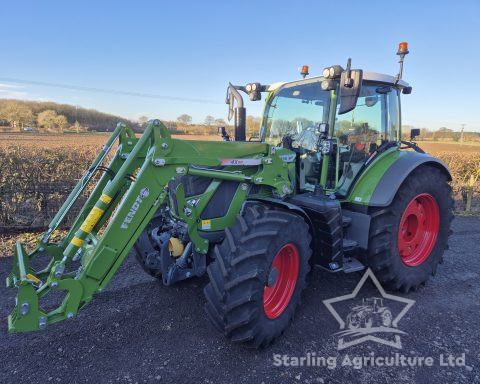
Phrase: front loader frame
(124,200)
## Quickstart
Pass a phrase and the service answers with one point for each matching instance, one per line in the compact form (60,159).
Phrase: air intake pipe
(240,112)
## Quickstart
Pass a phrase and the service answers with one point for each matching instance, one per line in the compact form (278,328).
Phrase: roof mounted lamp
(304,71)
(402,51)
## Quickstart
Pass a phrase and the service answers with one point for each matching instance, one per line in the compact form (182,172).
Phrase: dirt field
(436,146)
(139,331)
(89,139)
(66,140)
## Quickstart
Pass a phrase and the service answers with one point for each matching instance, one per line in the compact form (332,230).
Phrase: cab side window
(361,131)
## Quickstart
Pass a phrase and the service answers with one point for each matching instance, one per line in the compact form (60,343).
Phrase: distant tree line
(183,125)
(441,134)
(49,116)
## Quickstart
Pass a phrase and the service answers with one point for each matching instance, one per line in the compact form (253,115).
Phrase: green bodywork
(122,208)
(362,190)
(126,198)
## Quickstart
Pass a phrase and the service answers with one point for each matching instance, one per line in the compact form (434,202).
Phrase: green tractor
(329,183)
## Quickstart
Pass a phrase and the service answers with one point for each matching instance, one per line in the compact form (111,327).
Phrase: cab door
(374,121)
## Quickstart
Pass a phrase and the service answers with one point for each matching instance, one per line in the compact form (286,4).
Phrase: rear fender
(382,309)
(378,185)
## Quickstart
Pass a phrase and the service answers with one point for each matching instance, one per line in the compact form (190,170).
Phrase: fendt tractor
(328,183)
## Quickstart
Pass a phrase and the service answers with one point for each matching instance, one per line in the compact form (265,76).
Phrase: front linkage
(124,200)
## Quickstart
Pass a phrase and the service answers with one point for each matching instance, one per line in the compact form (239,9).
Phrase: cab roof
(368,76)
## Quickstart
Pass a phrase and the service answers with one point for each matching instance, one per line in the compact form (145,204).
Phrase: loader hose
(130,177)
(106,170)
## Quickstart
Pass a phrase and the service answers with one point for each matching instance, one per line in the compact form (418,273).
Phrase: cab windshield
(293,117)
(296,110)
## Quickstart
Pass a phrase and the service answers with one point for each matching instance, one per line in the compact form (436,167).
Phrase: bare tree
(47,119)
(77,126)
(17,114)
(184,120)
(220,122)
(61,122)
(50,120)
(143,120)
(209,120)
(253,126)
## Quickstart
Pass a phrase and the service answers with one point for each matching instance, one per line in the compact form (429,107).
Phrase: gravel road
(139,331)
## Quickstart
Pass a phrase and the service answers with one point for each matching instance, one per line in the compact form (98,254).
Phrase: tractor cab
(336,123)
(332,146)
(375,303)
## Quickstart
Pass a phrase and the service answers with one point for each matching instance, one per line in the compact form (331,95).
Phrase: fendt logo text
(134,208)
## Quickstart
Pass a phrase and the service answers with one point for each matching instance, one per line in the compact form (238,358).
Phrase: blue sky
(192,49)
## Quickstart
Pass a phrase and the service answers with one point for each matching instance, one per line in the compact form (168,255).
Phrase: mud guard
(395,175)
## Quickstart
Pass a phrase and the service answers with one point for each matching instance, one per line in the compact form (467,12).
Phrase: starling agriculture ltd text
(359,362)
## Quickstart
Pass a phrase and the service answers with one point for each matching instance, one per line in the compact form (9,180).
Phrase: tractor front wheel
(408,238)
(145,245)
(258,275)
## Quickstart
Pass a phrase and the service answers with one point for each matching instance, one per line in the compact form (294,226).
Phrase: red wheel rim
(282,279)
(418,229)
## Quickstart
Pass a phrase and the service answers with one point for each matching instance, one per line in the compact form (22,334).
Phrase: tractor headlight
(327,85)
(254,87)
(248,87)
(332,72)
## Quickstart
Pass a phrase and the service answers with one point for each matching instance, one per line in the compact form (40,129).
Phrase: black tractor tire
(146,245)
(386,318)
(368,321)
(243,269)
(392,268)
(353,322)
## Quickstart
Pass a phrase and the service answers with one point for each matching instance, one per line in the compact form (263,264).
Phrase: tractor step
(349,245)
(350,264)
(346,221)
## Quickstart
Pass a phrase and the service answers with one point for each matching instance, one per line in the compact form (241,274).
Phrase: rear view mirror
(323,128)
(350,86)
(223,132)
(414,132)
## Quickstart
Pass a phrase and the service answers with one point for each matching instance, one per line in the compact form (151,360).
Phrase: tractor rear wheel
(258,275)
(408,238)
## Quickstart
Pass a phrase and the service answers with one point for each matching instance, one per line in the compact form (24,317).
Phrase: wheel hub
(272,277)
(281,281)
(418,229)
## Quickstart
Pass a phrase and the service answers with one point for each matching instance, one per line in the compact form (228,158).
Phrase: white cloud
(6,94)
(12,91)
(11,86)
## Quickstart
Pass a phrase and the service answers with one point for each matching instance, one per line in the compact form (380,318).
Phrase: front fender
(379,183)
